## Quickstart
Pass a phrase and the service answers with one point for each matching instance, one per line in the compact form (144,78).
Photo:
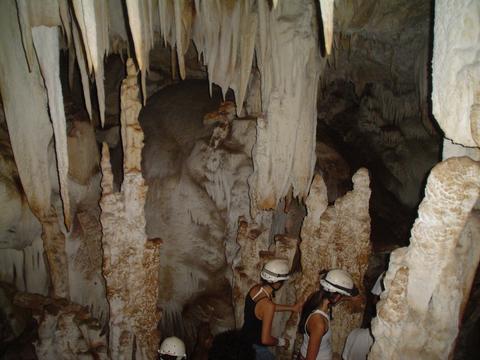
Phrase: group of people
(335,286)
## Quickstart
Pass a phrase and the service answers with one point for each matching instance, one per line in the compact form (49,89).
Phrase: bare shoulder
(317,324)
(254,290)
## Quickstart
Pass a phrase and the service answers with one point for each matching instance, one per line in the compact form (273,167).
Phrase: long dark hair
(312,303)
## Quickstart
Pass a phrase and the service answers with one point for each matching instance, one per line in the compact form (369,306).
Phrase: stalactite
(327,9)
(47,48)
(82,65)
(92,18)
(139,12)
(130,261)
(285,147)
(25,268)
(427,284)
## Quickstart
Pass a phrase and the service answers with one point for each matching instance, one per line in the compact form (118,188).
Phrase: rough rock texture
(456,70)
(252,239)
(336,236)
(130,261)
(54,245)
(254,251)
(428,283)
(65,330)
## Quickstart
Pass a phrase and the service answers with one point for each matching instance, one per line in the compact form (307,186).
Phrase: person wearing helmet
(172,348)
(314,324)
(260,309)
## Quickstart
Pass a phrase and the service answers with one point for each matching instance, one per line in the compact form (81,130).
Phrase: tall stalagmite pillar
(130,261)
(428,283)
(336,236)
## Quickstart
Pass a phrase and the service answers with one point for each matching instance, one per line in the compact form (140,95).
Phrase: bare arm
(316,327)
(266,310)
(296,307)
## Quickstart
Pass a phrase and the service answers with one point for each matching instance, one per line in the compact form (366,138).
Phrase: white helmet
(339,281)
(173,346)
(275,270)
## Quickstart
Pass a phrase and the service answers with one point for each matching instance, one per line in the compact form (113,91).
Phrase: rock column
(130,261)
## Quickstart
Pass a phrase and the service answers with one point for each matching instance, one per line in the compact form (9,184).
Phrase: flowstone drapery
(130,260)
(427,284)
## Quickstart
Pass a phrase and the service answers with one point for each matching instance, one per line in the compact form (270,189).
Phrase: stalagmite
(47,48)
(54,245)
(130,261)
(428,283)
(336,236)
(456,67)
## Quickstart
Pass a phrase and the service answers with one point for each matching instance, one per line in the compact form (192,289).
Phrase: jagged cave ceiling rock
(456,70)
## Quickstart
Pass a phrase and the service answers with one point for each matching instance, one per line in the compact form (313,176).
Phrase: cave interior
(154,154)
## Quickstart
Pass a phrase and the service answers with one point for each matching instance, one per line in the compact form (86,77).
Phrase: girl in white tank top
(315,324)
(325,350)
(335,286)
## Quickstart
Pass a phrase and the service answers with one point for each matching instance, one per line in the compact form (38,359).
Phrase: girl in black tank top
(257,330)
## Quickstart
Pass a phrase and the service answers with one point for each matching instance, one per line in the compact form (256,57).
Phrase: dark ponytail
(313,302)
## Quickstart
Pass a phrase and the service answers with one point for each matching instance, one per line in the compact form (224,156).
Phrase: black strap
(274,274)
(352,292)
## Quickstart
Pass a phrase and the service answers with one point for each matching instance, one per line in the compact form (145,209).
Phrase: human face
(277,285)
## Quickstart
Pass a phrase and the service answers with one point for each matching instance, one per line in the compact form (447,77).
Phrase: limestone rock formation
(428,282)
(253,240)
(336,236)
(130,261)
(455,65)
(65,330)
